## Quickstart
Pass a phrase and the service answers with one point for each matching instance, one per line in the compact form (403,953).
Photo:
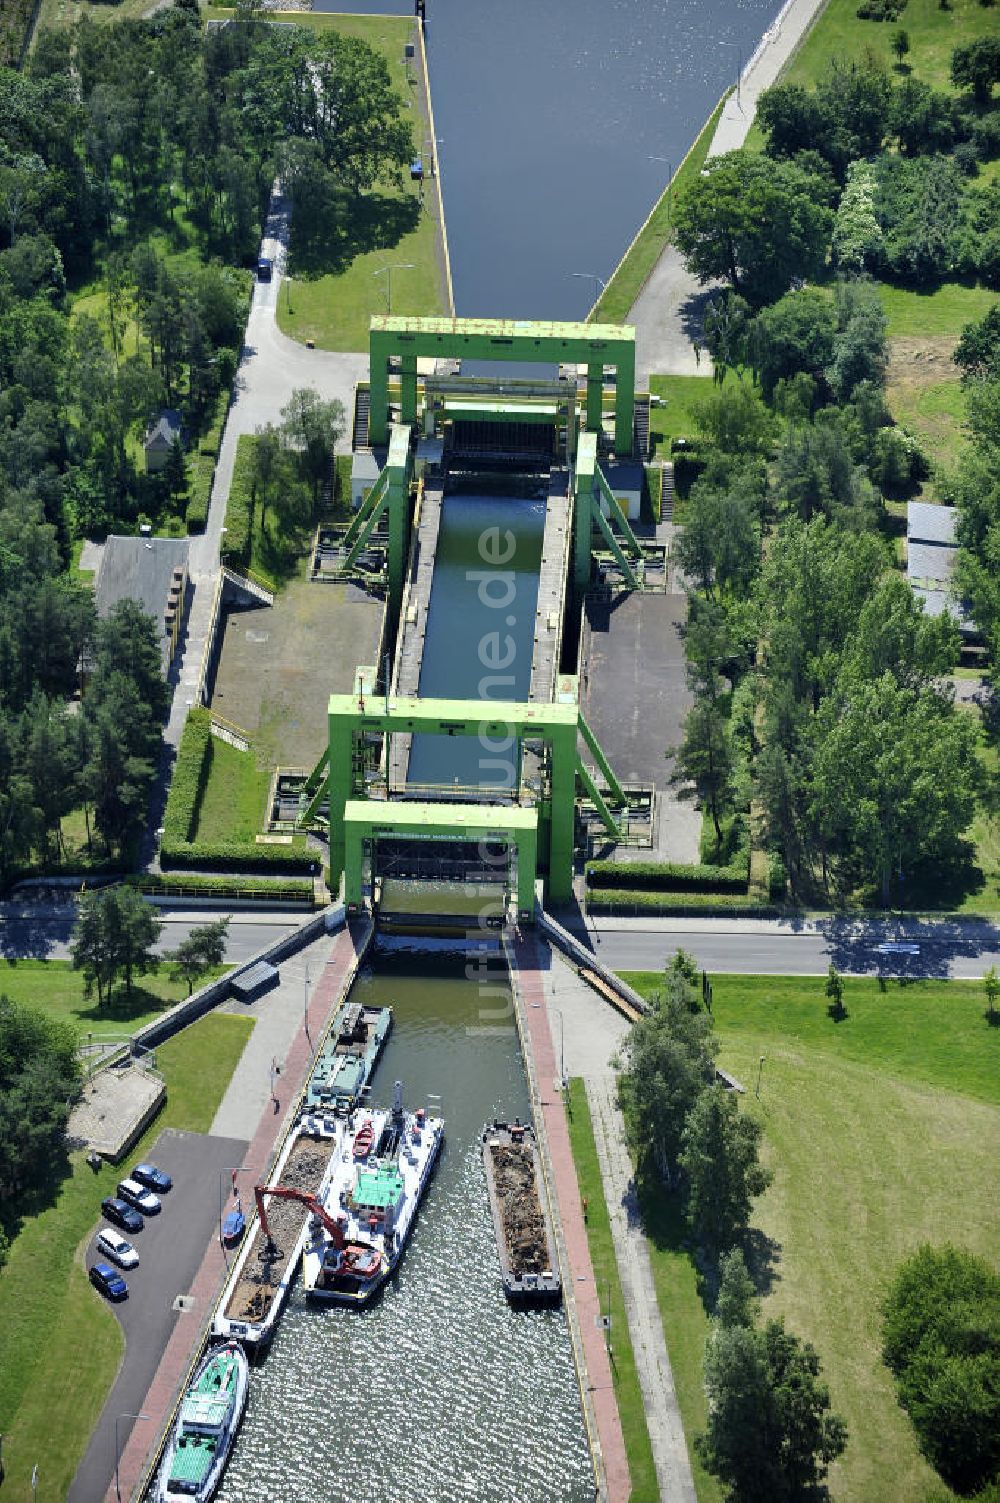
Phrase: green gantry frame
(339,776)
(503,824)
(592,345)
(590,490)
(390,495)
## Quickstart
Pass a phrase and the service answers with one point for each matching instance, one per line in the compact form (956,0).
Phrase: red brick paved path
(598,1378)
(165,1387)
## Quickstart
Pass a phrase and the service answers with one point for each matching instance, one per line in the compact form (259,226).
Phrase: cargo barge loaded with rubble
(269,1258)
(521,1218)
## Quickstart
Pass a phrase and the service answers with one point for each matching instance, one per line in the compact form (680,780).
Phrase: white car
(114,1246)
(139,1199)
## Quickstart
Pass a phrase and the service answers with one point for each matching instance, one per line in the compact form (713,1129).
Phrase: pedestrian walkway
(583,1306)
(668,310)
(341,965)
(659,1397)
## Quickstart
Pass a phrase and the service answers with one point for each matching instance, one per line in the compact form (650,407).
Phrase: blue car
(122,1215)
(109,1281)
(152,1178)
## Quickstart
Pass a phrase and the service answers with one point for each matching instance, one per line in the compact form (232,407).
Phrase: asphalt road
(171,1247)
(955,947)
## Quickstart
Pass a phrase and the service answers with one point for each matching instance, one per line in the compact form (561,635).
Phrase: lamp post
(760,1069)
(395,266)
(305,1005)
(670,179)
(118,1419)
(592,277)
(433,141)
(288,293)
(562,1049)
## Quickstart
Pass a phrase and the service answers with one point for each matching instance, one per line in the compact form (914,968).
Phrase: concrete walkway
(663,1416)
(343,954)
(668,311)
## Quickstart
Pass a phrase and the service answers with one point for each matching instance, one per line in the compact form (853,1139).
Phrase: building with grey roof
(927,523)
(153,571)
(160,439)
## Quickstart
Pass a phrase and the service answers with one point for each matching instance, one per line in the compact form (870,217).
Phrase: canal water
(551,116)
(480,625)
(439,1392)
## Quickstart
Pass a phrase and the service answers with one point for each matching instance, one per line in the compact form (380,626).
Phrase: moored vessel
(522,1218)
(207,1421)
(345,1062)
(371,1204)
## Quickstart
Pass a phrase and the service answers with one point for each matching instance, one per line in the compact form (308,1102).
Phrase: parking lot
(171,1248)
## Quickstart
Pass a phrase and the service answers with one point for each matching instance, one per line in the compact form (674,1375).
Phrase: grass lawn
(233,803)
(934,34)
(54,988)
(602,1255)
(333,307)
(943,312)
(640,258)
(49,1314)
(880,1131)
(677,419)
(926,397)
(60,13)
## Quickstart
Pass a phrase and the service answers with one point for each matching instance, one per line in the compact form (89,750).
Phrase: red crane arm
(286,1192)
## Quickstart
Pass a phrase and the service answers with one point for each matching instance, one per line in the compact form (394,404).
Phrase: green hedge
(197,882)
(239,507)
(187,785)
(654,485)
(201,467)
(625,900)
(236,856)
(668,876)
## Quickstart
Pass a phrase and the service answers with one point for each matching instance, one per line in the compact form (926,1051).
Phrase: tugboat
(371,1205)
(521,1219)
(207,1422)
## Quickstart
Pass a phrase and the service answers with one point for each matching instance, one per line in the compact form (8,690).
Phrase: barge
(357,1239)
(206,1426)
(267,1262)
(345,1063)
(522,1219)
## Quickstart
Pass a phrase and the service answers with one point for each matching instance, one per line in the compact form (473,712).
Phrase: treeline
(976,487)
(861,173)
(103,758)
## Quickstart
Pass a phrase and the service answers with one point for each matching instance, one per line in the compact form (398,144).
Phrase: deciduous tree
(719,1155)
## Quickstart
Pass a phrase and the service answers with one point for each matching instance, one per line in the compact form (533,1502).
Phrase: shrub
(777,877)
(196,882)
(667,876)
(880,10)
(236,856)
(654,487)
(636,901)
(187,785)
(239,507)
(201,467)
(941,1339)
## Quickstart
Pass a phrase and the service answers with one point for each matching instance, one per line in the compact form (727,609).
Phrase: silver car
(116,1247)
(139,1199)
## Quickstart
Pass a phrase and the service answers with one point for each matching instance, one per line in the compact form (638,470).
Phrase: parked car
(122,1215)
(153,1178)
(265,267)
(114,1246)
(134,1195)
(109,1281)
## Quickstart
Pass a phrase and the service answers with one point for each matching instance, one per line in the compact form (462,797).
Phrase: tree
(895,778)
(900,44)
(719,1155)
(976,66)
(39,1082)
(312,428)
(771,1434)
(736,1304)
(703,762)
(755,222)
(203,948)
(114,936)
(834,989)
(794,334)
(668,1059)
(941,1339)
(978,350)
(266,456)
(858,242)
(991,983)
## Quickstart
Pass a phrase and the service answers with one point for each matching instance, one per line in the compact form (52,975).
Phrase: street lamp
(288,293)
(670,177)
(305,1005)
(592,277)
(562,1049)
(118,1418)
(760,1068)
(433,141)
(395,266)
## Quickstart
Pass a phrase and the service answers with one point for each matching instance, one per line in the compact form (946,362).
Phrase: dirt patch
(925,394)
(930,354)
(280,664)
